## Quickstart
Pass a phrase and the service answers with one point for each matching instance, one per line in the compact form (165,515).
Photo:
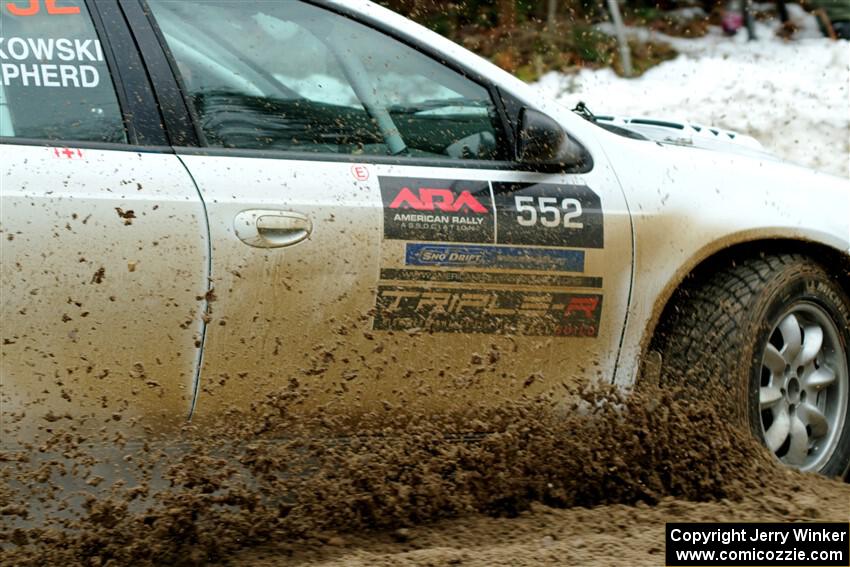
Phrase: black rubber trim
(622,131)
(86,145)
(507,139)
(650,122)
(141,115)
(175,113)
(510,108)
(367,159)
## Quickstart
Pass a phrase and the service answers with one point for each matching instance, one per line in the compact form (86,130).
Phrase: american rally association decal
(438,210)
(453,310)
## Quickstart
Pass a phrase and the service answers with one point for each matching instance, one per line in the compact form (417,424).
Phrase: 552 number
(547,212)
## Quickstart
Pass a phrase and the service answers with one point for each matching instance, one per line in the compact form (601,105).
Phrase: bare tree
(551,14)
(625,54)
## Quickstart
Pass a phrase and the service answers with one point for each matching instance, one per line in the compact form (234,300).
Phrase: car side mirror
(541,141)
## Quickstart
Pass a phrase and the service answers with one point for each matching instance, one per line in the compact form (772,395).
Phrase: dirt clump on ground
(614,534)
(307,487)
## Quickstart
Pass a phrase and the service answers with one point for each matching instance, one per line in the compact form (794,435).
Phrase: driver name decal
(50,62)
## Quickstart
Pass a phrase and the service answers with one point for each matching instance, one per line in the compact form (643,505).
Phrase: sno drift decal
(448,255)
(495,311)
(545,214)
(437,209)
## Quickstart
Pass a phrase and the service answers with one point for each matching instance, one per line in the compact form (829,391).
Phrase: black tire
(714,338)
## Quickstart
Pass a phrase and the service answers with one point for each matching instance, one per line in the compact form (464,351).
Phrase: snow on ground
(793,96)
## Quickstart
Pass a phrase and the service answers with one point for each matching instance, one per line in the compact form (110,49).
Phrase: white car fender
(689,204)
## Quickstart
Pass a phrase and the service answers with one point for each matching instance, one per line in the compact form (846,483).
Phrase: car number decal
(26,8)
(545,214)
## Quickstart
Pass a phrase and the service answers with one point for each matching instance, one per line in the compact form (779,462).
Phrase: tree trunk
(551,14)
(625,54)
(507,15)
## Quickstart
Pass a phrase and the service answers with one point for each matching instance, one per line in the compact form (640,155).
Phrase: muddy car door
(104,253)
(372,239)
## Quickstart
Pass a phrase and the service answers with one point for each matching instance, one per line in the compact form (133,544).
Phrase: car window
(54,81)
(291,76)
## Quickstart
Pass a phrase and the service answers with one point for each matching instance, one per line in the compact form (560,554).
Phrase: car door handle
(262,228)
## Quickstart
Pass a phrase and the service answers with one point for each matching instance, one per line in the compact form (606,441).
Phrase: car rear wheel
(767,340)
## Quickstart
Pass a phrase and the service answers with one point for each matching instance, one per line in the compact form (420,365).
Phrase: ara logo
(430,199)
(437,210)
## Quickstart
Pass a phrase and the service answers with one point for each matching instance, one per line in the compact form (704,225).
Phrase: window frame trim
(86,145)
(139,108)
(417,161)
(178,117)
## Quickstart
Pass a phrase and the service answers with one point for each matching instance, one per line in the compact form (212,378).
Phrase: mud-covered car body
(170,266)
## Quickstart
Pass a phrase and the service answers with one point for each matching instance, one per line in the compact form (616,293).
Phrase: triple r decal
(493,311)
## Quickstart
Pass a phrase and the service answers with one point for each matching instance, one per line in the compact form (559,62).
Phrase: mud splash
(237,485)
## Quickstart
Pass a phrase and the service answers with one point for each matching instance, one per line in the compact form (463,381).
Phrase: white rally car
(203,199)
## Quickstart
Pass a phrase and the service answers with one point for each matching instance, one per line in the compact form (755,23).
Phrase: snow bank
(793,96)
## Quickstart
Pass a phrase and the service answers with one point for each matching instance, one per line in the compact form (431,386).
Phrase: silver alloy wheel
(804,387)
